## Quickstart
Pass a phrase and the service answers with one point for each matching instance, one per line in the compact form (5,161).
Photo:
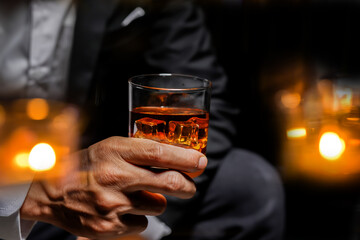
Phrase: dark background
(267,45)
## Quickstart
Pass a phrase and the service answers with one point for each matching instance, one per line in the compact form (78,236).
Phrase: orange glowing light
(22,160)
(343,98)
(2,115)
(296,133)
(42,157)
(353,119)
(331,146)
(354,142)
(290,100)
(37,109)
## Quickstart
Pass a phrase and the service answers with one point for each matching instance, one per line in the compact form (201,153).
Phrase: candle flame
(331,146)
(42,157)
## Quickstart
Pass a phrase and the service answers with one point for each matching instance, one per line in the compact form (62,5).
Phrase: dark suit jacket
(170,37)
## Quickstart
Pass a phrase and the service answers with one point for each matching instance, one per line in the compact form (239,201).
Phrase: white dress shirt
(35,46)
(35,43)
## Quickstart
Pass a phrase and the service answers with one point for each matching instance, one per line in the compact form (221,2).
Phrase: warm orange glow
(22,160)
(42,157)
(331,146)
(344,97)
(296,133)
(37,109)
(354,142)
(353,119)
(326,91)
(64,121)
(290,100)
(2,115)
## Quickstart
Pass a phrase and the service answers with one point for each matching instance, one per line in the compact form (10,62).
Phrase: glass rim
(142,86)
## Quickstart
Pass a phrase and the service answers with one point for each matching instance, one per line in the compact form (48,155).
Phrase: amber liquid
(185,127)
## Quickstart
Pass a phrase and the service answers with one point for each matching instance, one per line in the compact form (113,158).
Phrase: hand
(113,187)
(126,237)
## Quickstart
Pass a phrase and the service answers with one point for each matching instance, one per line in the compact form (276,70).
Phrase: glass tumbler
(170,108)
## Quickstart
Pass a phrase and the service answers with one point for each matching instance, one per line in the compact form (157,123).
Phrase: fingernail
(202,163)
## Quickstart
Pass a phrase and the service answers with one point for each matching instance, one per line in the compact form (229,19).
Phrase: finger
(111,226)
(105,203)
(146,152)
(146,203)
(168,182)
(134,223)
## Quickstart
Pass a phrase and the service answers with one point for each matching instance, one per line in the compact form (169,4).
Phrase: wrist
(36,206)
(47,193)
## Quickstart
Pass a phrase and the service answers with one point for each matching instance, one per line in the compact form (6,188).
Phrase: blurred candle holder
(321,131)
(36,135)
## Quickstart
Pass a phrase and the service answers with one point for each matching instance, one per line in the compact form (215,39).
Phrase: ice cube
(203,130)
(184,133)
(150,128)
(202,122)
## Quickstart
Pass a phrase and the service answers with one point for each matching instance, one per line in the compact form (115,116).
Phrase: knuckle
(104,147)
(102,227)
(104,205)
(155,151)
(104,177)
(97,151)
(175,182)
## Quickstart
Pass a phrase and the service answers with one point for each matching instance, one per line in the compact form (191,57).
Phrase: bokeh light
(37,109)
(296,133)
(22,160)
(331,146)
(290,100)
(42,157)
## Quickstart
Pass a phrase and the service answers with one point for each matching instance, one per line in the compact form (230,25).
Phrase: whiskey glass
(170,108)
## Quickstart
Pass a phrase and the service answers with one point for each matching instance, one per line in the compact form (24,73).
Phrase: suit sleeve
(181,44)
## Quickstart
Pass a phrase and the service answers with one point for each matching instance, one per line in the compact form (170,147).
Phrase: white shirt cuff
(11,200)
(13,228)
(12,197)
(156,229)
